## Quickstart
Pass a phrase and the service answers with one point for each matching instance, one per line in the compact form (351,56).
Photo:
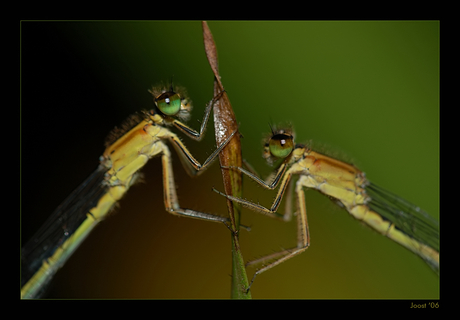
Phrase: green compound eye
(169,103)
(281,145)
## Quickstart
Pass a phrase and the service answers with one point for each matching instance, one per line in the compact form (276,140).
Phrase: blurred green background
(367,92)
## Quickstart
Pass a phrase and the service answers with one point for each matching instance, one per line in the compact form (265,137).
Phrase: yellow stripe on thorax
(333,178)
(346,183)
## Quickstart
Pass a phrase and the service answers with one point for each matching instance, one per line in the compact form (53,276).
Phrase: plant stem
(225,124)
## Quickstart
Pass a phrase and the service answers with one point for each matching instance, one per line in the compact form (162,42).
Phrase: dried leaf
(225,124)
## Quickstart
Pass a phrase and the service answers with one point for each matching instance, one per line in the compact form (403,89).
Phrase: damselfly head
(279,144)
(172,102)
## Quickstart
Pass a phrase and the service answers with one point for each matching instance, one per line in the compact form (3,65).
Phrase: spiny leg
(272,185)
(190,164)
(257,207)
(303,237)
(251,173)
(170,196)
(191,132)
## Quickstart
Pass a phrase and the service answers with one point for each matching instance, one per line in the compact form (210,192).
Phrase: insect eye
(168,103)
(281,145)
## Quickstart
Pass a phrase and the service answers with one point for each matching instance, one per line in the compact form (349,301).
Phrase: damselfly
(345,184)
(128,149)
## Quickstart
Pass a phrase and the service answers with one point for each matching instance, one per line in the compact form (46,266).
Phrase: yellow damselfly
(128,149)
(368,93)
(370,88)
(303,168)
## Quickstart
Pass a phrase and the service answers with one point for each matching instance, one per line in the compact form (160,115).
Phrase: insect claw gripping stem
(229,227)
